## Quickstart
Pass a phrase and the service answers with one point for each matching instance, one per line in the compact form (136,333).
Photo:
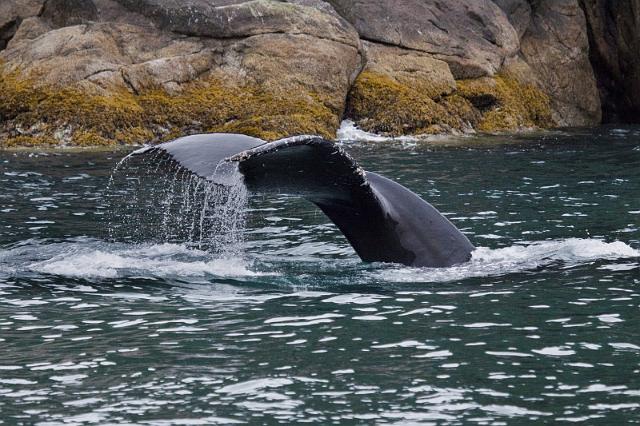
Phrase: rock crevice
(614,36)
(8,31)
(12,13)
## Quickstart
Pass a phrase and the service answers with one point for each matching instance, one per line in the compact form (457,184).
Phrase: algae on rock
(50,115)
(118,77)
(490,104)
(381,105)
(506,104)
(101,72)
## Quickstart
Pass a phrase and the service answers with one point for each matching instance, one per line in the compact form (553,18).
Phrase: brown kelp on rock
(33,115)
(380,104)
(121,76)
(110,72)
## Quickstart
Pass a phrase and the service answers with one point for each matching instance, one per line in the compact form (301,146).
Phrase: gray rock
(518,12)
(237,18)
(315,49)
(64,13)
(410,68)
(107,43)
(556,48)
(12,13)
(264,49)
(473,37)
(615,53)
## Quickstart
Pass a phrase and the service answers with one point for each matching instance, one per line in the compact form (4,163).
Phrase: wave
(94,259)
(487,262)
(98,259)
(349,132)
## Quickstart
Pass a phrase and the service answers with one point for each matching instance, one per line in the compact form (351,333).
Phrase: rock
(555,57)
(7,31)
(238,18)
(473,37)
(29,29)
(518,12)
(615,54)
(98,55)
(112,11)
(404,91)
(556,49)
(410,68)
(64,13)
(299,63)
(506,103)
(12,13)
(399,90)
(77,71)
(550,63)
(117,77)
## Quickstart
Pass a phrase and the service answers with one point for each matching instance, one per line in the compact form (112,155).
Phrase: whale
(381,219)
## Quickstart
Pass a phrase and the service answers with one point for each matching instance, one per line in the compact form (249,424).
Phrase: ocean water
(120,305)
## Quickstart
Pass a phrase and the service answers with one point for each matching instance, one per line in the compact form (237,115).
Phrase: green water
(542,326)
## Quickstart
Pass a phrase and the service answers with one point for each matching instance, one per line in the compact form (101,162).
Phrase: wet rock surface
(296,62)
(276,68)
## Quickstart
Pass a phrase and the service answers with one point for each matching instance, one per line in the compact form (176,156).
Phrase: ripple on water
(296,329)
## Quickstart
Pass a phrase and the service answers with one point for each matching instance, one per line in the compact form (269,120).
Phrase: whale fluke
(381,219)
(201,154)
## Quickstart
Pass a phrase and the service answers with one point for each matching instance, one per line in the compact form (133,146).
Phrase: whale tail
(382,220)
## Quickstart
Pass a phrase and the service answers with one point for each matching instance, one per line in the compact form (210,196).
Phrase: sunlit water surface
(541,326)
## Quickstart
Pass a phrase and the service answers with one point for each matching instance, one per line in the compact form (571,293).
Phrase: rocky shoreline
(104,72)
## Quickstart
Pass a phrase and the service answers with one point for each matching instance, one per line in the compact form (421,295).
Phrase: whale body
(381,219)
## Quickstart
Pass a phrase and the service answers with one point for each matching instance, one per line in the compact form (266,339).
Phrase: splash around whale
(381,219)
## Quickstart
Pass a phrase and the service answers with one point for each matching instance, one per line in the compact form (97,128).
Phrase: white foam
(94,259)
(302,321)
(252,387)
(494,262)
(86,258)
(348,131)
(569,250)
(355,299)
(555,351)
